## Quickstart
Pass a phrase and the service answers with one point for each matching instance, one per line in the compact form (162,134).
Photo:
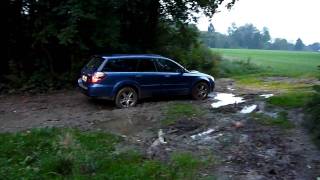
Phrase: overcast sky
(288,19)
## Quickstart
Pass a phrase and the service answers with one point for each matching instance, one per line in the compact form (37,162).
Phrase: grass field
(286,63)
(52,153)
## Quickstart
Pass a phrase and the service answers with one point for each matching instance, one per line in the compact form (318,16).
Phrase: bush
(313,108)
(198,58)
(39,81)
(235,68)
(181,43)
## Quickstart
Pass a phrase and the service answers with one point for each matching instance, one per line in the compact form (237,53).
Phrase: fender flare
(122,84)
(200,79)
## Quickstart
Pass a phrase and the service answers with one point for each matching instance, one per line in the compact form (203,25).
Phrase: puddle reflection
(266,95)
(248,109)
(226,99)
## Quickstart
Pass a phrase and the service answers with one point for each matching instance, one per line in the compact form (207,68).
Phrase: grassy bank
(71,154)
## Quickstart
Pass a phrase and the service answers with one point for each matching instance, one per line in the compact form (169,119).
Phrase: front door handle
(138,76)
(167,76)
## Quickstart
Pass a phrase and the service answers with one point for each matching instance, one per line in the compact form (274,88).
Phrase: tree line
(250,37)
(49,41)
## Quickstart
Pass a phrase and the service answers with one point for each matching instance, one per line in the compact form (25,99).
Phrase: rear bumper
(96,90)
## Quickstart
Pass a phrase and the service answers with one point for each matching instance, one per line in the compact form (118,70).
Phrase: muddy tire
(200,91)
(126,97)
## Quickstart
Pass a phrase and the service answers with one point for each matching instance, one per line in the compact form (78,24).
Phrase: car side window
(167,66)
(146,65)
(121,65)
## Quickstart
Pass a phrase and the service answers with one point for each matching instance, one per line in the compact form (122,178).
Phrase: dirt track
(247,150)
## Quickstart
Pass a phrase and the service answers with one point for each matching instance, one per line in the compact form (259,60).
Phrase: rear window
(94,63)
(121,65)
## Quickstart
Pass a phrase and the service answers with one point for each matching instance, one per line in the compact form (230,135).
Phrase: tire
(126,97)
(200,91)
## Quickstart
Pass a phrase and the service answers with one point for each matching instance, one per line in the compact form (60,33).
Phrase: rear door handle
(138,76)
(167,76)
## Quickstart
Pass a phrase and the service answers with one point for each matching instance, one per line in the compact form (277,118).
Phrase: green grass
(236,68)
(291,99)
(284,63)
(280,121)
(255,82)
(71,154)
(176,111)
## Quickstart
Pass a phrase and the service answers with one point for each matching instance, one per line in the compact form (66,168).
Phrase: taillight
(98,76)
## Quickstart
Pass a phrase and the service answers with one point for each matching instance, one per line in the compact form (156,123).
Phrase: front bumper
(212,86)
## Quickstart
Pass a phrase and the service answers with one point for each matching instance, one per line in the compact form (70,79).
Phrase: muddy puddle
(223,99)
(266,95)
(248,109)
(129,121)
(202,134)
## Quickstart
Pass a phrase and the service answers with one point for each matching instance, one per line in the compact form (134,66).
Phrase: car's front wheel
(126,97)
(200,91)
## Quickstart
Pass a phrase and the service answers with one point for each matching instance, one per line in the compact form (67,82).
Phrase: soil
(241,148)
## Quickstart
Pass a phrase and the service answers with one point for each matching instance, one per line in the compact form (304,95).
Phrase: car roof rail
(124,55)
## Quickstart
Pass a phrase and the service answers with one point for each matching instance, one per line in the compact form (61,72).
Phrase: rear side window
(121,65)
(94,63)
(146,65)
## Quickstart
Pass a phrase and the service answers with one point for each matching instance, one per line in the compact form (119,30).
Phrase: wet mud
(241,147)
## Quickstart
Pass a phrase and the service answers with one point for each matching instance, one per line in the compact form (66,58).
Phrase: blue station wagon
(127,78)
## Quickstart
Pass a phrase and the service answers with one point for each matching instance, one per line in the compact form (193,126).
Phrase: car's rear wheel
(126,97)
(200,91)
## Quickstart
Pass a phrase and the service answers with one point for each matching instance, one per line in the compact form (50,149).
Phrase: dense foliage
(50,40)
(250,37)
(313,122)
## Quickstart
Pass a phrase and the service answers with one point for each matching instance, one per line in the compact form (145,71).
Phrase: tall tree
(266,37)
(299,46)
(281,44)
(211,28)
(55,36)
(314,47)
(247,36)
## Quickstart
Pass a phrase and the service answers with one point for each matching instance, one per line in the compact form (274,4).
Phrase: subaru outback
(125,79)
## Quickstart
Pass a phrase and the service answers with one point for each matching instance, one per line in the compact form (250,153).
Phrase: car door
(172,80)
(147,77)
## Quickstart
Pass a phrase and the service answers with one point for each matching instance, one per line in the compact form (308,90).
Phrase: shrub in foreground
(313,120)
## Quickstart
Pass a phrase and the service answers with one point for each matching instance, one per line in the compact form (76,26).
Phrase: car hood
(198,73)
